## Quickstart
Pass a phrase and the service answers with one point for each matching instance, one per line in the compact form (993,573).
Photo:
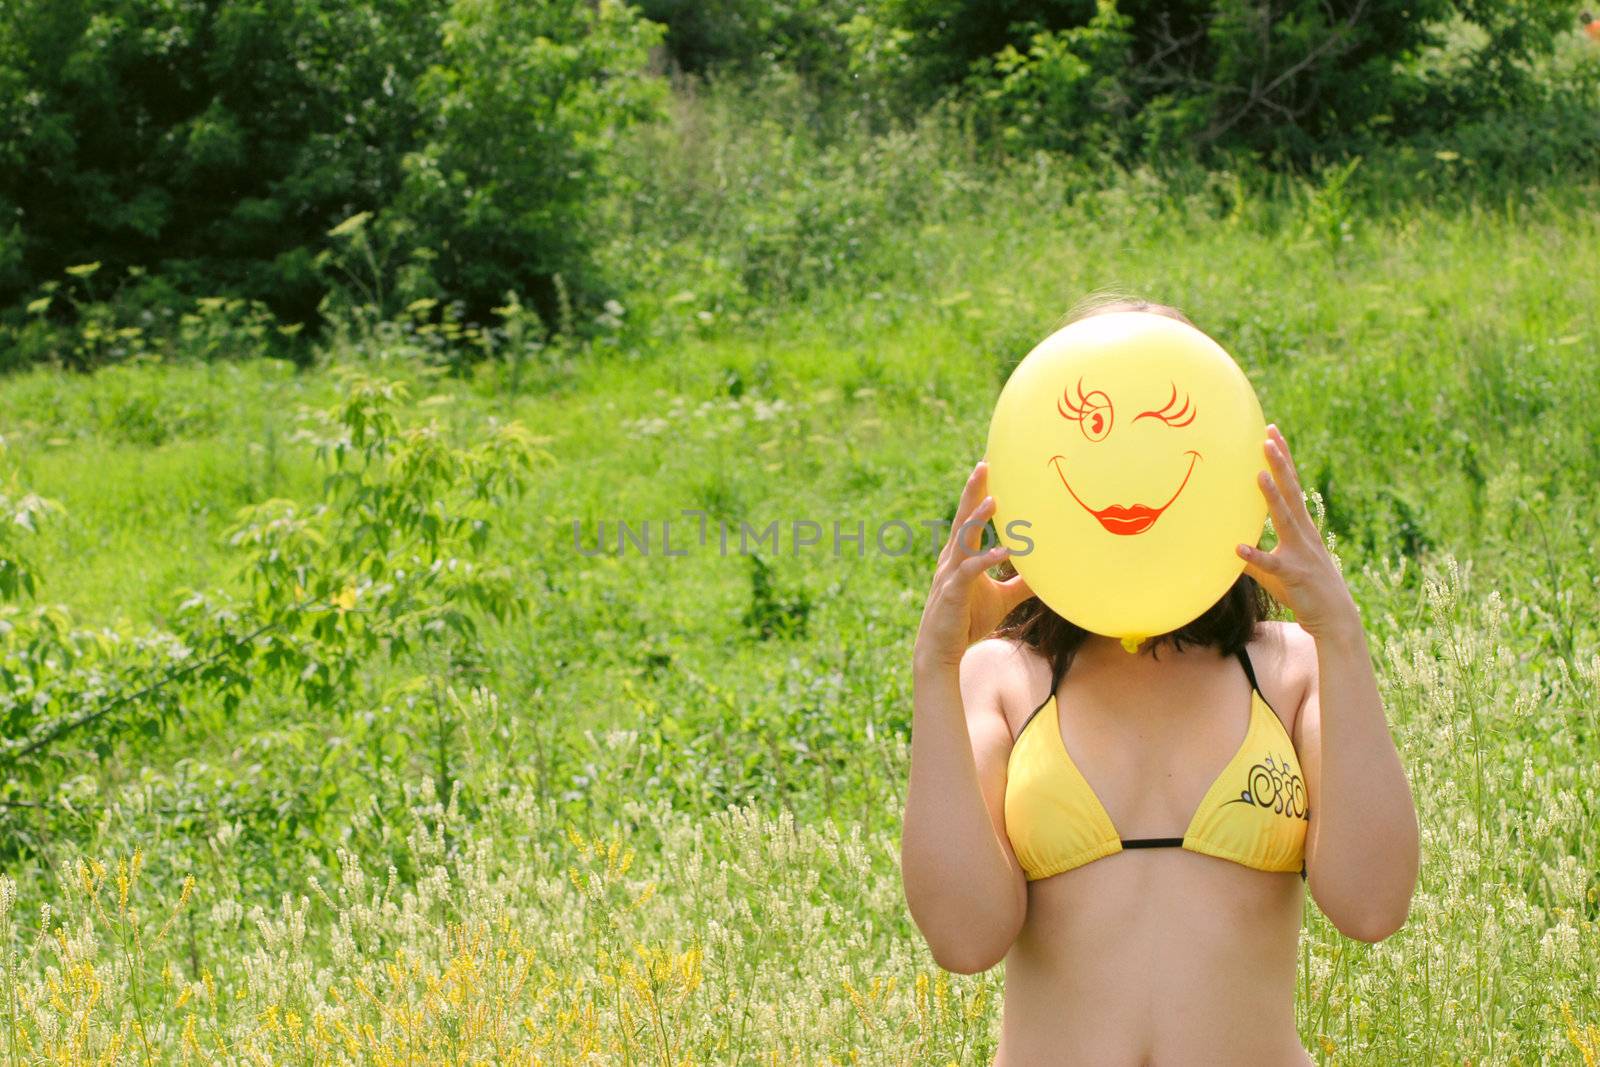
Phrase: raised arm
(963,885)
(1362,846)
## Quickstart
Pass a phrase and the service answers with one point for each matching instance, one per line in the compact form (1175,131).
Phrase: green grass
(1434,375)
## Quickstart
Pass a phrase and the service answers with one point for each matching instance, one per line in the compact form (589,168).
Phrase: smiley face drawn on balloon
(1126,525)
(1095,416)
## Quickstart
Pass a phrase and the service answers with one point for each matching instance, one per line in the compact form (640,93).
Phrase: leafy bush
(20,514)
(214,145)
(1066,92)
(521,110)
(388,565)
(139,317)
(1292,80)
(210,143)
(809,37)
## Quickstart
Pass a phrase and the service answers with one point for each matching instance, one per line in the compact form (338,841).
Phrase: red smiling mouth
(1133,518)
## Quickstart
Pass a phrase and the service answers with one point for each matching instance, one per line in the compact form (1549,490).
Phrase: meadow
(644,807)
(653,818)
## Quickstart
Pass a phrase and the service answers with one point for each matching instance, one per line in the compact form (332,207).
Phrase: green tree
(521,108)
(1293,78)
(215,143)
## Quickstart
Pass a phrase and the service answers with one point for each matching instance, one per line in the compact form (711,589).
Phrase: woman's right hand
(965,604)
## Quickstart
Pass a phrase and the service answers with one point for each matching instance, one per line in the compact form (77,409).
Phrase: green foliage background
(339,347)
(212,146)
(214,150)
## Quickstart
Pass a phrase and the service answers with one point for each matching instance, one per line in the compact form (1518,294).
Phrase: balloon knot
(1130,645)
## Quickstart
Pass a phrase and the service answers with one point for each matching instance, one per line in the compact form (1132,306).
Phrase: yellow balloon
(1122,455)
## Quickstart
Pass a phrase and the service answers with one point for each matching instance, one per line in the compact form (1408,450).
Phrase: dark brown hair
(1227,625)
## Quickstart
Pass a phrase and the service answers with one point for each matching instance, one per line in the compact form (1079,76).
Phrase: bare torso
(1159,957)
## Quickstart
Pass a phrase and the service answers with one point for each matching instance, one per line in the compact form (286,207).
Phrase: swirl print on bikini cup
(1271,784)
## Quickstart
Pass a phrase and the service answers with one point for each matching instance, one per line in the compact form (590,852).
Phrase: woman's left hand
(1299,572)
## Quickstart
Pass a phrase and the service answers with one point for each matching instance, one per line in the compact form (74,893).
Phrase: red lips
(1133,518)
(1136,519)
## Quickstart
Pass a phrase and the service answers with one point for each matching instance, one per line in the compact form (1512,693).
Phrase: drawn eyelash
(1093,412)
(1185,413)
(1070,410)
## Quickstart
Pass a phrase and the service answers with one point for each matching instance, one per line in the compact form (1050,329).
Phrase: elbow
(1373,925)
(968,929)
(1369,909)
(963,943)
(966,959)
(968,948)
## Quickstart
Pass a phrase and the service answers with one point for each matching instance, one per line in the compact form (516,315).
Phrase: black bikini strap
(1152,842)
(1249,671)
(1058,672)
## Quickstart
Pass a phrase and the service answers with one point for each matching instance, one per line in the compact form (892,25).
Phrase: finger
(969,569)
(964,505)
(1258,563)
(1294,497)
(1283,446)
(1278,508)
(971,494)
(969,535)
(1282,466)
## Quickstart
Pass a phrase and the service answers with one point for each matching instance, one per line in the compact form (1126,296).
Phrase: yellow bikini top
(1254,813)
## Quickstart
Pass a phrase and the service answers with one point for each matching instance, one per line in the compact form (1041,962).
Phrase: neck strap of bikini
(1249,671)
(1059,672)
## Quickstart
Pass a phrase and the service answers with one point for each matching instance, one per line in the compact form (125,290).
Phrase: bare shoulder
(1009,672)
(1285,661)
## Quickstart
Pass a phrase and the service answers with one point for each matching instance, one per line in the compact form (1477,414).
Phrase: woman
(1123,943)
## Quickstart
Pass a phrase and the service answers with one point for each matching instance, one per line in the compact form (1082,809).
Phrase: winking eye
(1183,415)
